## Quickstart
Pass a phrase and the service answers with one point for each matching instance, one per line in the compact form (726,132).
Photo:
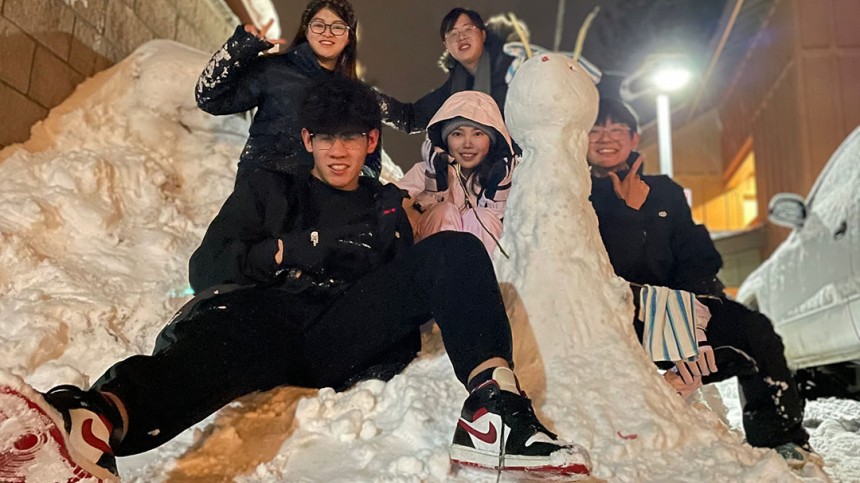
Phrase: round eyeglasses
(616,133)
(465,31)
(337,28)
(351,141)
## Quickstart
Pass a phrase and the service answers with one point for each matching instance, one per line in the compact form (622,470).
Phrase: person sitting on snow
(311,279)
(652,241)
(464,184)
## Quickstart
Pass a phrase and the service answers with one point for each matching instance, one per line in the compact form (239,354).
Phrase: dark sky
(399,41)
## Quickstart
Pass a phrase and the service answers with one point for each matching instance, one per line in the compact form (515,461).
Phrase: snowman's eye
(570,66)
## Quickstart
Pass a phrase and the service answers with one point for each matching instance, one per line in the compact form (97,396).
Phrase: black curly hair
(346,64)
(337,105)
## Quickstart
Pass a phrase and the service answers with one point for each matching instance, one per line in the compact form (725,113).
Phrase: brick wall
(47,47)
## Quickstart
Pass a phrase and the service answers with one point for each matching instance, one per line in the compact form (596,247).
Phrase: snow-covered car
(810,286)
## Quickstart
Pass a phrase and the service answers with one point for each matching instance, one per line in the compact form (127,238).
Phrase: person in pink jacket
(463,182)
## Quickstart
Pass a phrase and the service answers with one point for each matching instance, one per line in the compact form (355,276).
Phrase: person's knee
(461,245)
(439,217)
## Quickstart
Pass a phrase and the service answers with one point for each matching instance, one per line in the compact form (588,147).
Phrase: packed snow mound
(101,209)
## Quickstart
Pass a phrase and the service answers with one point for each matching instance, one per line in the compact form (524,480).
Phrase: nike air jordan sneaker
(92,424)
(498,429)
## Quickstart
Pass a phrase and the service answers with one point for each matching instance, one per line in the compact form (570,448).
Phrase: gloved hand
(436,161)
(498,172)
(310,249)
(706,363)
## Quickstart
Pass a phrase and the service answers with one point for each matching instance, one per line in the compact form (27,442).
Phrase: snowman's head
(550,91)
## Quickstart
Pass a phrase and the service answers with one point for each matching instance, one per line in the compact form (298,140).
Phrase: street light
(667,79)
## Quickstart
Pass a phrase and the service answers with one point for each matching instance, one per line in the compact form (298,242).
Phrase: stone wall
(47,47)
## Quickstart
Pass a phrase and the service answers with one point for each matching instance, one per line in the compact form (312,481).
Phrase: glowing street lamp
(667,79)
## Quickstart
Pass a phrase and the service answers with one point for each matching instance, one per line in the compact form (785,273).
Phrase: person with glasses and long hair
(473,59)
(239,77)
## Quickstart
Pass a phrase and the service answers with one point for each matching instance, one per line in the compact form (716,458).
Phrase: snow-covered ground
(99,213)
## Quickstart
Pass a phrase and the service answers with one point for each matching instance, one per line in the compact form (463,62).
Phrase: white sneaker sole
(38,446)
(555,463)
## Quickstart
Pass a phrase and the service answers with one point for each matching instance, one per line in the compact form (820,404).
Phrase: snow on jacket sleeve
(226,85)
(412,118)
(236,248)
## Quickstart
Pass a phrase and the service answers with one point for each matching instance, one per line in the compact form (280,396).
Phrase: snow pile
(101,209)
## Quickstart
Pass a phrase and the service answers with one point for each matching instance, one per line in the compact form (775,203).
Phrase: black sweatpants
(772,406)
(229,344)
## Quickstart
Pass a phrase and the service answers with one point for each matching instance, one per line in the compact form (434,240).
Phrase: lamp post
(667,79)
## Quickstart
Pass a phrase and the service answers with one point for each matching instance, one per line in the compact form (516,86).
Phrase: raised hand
(261,34)
(436,161)
(500,170)
(632,190)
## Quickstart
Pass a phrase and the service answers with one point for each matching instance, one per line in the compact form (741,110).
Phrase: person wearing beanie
(463,184)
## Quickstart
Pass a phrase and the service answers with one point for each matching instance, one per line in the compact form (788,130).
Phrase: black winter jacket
(240,244)
(413,117)
(238,79)
(659,244)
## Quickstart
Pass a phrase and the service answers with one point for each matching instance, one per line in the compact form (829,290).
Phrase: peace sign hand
(261,34)
(632,190)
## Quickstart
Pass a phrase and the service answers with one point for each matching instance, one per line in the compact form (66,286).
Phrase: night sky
(399,42)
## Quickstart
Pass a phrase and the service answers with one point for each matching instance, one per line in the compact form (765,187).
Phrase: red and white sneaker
(498,429)
(36,446)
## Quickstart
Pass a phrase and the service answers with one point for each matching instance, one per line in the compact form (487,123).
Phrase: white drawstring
(462,180)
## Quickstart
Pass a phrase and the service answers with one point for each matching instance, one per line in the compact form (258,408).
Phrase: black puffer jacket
(413,117)
(238,79)
(659,244)
(240,244)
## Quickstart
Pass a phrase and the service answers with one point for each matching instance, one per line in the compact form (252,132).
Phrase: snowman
(575,346)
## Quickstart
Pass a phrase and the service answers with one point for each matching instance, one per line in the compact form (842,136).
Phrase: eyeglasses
(337,28)
(465,31)
(351,141)
(616,133)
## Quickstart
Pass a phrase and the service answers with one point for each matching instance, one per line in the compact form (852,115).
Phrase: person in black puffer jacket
(474,60)
(238,78)
(649,233)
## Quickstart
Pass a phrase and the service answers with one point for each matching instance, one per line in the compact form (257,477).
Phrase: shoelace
(516,406)
(502,444)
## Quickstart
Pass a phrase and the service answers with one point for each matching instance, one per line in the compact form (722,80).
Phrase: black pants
(225,345)
(772,406)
